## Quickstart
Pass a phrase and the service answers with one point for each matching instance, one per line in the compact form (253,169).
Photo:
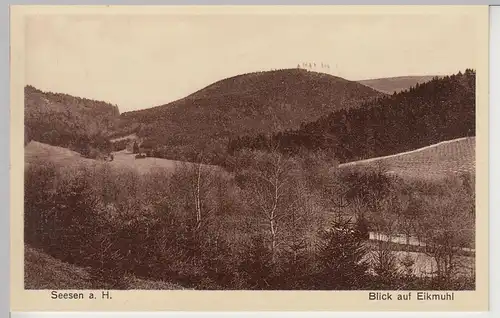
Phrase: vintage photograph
(243,152)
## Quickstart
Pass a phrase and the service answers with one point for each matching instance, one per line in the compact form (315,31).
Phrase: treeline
(441,109)
(280,223)
(214,153)
(96,106)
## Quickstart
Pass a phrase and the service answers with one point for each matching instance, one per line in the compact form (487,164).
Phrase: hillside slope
(390,85)
(36,152)
(42,271)
(439,110)
(435,161)
(251,103)
(65,120)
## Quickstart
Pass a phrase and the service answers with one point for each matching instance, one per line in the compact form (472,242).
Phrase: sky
(139,61)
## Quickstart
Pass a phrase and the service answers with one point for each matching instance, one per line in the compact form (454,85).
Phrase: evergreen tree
(342,258)
(384,266)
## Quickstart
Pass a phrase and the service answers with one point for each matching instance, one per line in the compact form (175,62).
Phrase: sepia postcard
(249,158)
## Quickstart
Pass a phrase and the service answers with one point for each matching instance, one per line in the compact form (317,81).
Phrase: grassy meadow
(432,162)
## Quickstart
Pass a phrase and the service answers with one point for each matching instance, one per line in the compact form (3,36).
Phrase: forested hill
(261,102)
(68,121)
(438,110)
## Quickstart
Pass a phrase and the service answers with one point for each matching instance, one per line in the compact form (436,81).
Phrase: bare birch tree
(273,187)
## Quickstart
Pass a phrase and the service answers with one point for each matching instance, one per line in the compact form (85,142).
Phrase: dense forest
(438,110)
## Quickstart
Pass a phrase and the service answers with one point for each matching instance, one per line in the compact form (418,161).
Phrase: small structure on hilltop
(311,66)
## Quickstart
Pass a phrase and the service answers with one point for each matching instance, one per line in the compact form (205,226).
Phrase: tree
(194,200)
(384,265)
(342,257)
(447,227)
(409,212)
(273,186)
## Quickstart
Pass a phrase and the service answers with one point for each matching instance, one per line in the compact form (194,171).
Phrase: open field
(122,159)
(35,150)
(431,162)
(125,159)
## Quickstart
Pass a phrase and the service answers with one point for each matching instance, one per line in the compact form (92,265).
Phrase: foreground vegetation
(41,271)
(280,222)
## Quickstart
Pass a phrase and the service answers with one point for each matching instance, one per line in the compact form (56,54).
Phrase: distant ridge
(390,85)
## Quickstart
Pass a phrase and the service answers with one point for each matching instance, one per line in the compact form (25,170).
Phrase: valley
(239,179)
